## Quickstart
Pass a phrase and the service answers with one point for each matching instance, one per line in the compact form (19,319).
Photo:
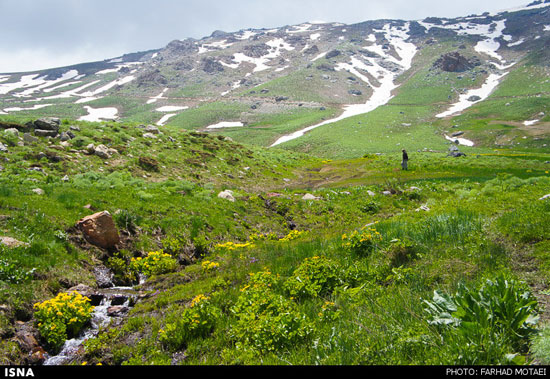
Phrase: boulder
(45,133)
(3,148)
(38,191)
(13,131)
(29,138)
(152,129)
(90,148)
(227,195)
(309,196)
(455,62)
(47,123)
(12,242)
(99,229)
(102,151)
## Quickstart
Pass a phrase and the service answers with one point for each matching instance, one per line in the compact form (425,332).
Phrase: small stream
(109,304)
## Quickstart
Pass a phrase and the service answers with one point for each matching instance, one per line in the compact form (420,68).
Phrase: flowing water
(114,303)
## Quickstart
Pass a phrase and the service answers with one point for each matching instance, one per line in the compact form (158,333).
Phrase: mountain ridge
(323,73)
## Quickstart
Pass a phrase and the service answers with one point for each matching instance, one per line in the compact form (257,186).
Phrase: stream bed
(109,304)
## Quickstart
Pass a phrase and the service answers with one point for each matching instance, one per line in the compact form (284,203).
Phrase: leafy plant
(265,320)
(363,241)
(502,308)
(9,272)
(197,320)
(155,263)
(316,276)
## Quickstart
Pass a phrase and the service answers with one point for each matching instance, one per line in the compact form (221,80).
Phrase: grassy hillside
(380,266)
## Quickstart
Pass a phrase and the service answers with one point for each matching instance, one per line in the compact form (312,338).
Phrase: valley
(239,199)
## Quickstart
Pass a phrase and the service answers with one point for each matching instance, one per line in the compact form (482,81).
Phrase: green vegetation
(446,263)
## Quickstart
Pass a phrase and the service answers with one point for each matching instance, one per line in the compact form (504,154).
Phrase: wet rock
(99,229)
(103,277)
(118,300)
(117,311)
(26,336)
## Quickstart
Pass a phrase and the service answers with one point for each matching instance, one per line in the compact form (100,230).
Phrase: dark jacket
(405,156)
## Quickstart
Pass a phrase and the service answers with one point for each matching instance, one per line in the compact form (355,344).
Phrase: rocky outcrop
(211,66)
(99,229)
(455,62)
(256,51)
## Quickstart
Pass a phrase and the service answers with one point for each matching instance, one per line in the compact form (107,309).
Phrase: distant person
(405,160)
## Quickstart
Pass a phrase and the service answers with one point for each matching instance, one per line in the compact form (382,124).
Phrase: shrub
(155,263)
(266,321)
(196,321)
(314,277)
(62,317)
(370,206)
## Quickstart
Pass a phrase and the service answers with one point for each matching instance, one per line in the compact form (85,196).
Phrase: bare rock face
(454,62)
(99,229)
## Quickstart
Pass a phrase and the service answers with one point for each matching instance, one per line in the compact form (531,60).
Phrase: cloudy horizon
(58,33)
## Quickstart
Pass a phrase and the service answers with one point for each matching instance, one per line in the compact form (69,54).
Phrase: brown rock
(117,311)
(99,229)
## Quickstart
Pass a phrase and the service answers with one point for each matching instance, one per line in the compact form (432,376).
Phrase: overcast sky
(38,34)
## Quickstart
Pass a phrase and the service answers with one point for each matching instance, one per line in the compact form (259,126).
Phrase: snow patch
(461,141)
(156,98)
(382,93)
(165,118)
(315,36)
(483,92)
(17,109)
(225,124)
(99,114)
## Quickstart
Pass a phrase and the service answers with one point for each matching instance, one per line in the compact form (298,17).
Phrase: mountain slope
(270,87)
